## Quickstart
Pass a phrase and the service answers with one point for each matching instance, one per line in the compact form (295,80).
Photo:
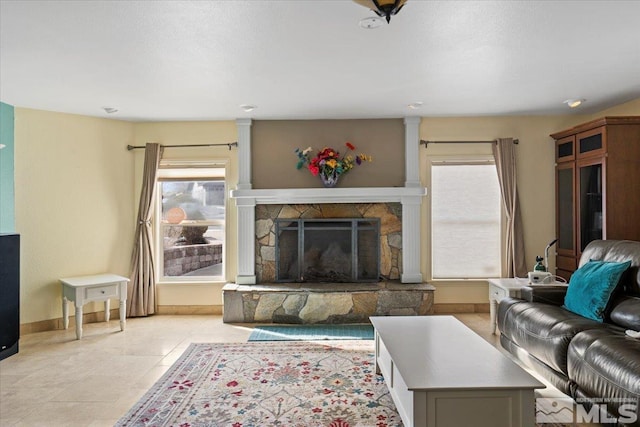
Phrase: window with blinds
(465,220)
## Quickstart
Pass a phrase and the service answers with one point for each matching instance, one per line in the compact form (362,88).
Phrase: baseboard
(190,309)
(455,308)
(55,324)
(98,316)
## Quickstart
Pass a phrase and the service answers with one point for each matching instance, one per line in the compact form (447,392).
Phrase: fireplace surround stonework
(254,297)
(390,215)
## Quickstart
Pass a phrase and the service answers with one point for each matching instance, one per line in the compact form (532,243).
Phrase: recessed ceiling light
(371,22)
(110,110)
(415,105)
(248,108)
(573,103)
(2,146)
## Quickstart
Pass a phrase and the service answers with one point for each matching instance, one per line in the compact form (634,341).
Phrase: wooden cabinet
(597,186)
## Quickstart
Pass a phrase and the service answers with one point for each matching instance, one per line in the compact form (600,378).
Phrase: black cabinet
(9,294)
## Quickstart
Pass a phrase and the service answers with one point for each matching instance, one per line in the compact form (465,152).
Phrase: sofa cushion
(618,251)
(626,312)
(543,330)
(605,363)
(591,286)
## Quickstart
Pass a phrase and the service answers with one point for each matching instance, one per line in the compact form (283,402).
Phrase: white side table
(502,288)
(84,289)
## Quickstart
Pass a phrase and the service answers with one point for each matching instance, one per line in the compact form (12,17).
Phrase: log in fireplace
(328,250)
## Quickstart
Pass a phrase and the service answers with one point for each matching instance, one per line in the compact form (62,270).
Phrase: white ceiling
(294,59)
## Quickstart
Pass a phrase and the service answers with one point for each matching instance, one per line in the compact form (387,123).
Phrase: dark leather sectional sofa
(590,361)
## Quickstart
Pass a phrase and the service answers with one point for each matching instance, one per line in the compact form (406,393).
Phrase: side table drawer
(101,292)
(496,293)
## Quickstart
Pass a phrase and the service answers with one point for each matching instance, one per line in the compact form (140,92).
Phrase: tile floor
(56,380)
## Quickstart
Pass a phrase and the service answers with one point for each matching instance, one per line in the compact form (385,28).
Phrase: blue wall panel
(7,215)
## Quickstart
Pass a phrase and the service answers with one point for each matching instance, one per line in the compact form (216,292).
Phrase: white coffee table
(441,374)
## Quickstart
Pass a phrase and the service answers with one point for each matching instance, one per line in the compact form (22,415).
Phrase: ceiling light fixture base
(371,22)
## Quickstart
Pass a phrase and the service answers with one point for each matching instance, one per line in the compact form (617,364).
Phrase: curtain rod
(228,144)
(426,143)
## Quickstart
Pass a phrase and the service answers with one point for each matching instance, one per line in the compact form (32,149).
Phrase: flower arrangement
(328,164)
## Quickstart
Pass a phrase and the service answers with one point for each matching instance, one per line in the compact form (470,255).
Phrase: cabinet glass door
(565,206)
(590,203)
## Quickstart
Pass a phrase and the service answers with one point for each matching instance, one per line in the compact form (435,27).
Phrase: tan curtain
(505,155)
(141,293)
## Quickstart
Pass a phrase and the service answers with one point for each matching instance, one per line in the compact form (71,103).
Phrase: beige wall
(77,192)
(73,179)
(536,185)
(273,143)
(631,108)
(186,133)
(536,178)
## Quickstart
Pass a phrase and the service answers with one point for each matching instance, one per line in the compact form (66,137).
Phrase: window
(191,224)
(465,220)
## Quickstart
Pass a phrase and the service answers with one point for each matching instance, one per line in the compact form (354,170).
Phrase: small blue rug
(311,332)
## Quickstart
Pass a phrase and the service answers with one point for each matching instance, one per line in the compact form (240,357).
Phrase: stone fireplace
(340,243)
(260,295)
(327,250)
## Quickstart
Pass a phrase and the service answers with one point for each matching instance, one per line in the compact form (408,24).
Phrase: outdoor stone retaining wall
(181,260)
(324,302)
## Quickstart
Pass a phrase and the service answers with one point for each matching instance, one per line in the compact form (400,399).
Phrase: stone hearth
(324,302)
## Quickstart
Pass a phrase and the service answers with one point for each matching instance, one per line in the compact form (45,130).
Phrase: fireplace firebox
(328,250)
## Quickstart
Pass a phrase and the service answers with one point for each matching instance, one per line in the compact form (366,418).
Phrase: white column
(246,208)
(412,151)
(411,205)
(244,154)
(411,240)
(246,241)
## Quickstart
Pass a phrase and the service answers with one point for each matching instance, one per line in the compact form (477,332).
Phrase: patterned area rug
(331,383)
(311,332)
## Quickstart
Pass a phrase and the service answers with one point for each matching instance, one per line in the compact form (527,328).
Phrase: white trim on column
(411,240)
(244,153)
(246,208)
(412,151)
(246,242)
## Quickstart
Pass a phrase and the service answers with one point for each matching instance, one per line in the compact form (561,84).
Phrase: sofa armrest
(548,294)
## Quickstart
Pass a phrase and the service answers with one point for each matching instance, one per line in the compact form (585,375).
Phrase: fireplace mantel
(329,195)
(411,196)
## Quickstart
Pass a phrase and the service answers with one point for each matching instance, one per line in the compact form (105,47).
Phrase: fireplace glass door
(327,250)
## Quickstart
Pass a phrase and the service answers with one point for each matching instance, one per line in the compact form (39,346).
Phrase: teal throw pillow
(591,286)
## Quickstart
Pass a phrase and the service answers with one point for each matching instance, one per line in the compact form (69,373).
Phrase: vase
(329,180)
